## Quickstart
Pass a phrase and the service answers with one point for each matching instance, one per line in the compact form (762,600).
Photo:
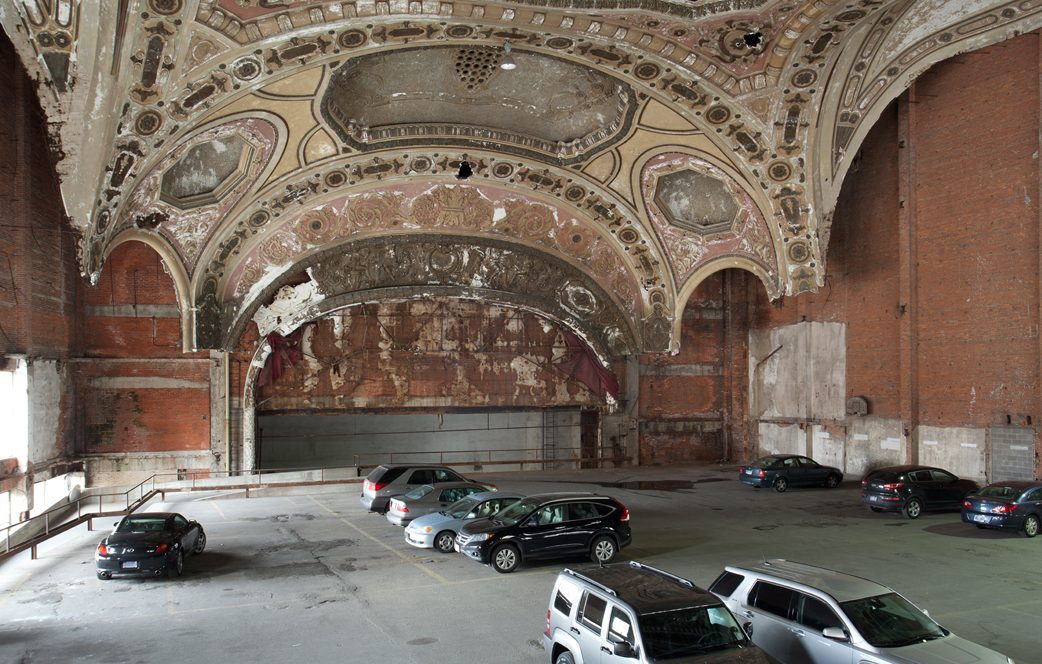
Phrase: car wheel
(913,508)
(1031,526)
(505,558)
(781,484)
(200,544)
(104,576)
(444,541)
(603,550)
(565,658)
(179,565)
(832,481)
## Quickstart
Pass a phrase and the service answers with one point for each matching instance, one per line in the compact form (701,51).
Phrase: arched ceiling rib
(643,144)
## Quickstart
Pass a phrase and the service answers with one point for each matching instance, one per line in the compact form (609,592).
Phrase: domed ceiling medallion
(547,108)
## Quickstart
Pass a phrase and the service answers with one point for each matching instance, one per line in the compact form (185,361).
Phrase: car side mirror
(748,627)
(834,633)
(623,649)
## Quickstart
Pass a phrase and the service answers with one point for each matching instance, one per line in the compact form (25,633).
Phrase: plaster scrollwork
(494,270)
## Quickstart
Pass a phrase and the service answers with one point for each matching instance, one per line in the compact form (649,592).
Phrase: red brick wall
(940,214)
(140,393)
(38,272)
(682,396)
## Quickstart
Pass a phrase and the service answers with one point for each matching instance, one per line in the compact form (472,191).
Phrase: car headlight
(427,529)
(480,537)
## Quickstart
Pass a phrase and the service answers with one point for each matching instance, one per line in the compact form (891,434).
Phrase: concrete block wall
(960,450)
(1013,455)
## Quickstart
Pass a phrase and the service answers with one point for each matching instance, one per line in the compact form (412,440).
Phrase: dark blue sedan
(784,470)
(1015,505)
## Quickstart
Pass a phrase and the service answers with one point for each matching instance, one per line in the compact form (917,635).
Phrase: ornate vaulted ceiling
(288,158)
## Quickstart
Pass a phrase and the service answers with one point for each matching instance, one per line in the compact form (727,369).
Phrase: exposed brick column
(908,280)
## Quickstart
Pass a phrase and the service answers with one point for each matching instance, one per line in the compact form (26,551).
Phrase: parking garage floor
(308,576)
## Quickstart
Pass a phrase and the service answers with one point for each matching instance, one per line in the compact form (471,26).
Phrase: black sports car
(149,543)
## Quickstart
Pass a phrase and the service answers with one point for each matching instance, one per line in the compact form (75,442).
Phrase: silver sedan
(428,498)
(438,529)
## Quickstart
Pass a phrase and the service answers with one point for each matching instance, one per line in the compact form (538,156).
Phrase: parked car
(552,525)
(1015,505)
(428,498)
(390,479)
(633,612)
(438,530)
(802,614)
(784,470)
(912,489)
(149,543)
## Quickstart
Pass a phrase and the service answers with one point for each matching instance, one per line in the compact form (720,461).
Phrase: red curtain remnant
(582,364)
(285,350)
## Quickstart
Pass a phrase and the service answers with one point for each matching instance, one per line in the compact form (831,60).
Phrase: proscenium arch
(331,306)
(403,267)
(172,263)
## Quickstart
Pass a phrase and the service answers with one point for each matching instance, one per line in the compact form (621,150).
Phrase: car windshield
(419,492)
(687,632)
(461,507)
(514,513)
(997,492)
(140,524)
(891,621)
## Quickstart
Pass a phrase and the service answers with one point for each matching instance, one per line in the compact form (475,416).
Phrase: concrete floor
(309,577)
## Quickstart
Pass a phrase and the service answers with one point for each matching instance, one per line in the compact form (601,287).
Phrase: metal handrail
(156,485)
(46,517)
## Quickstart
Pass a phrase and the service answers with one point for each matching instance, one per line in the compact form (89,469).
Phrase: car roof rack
(679,579)
(600,586)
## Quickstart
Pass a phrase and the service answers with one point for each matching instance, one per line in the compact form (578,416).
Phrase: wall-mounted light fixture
(507,62)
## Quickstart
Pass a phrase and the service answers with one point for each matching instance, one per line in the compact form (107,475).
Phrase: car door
(618,629)
(584,520)
(926,487)
(589,625)
(950,491)
(418,478)
(812,616)
(1029,503)
(768,607)
(182,533)
(543,534)
(811,471)
(790,468)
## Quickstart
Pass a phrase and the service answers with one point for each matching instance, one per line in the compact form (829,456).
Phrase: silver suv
(629,612)
(389,479)
(801,614)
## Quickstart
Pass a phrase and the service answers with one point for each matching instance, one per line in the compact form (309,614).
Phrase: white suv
(630,612)
(801,614)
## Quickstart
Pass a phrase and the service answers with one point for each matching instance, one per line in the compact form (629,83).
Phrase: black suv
(549,525)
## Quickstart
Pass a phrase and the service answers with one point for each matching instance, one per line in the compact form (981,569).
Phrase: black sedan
(784,470)
(1015,505)
(152,543)
(912,489)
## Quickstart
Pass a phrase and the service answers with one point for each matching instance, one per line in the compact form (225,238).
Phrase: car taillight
(162,548)
(103,550)
(1003,509)
(625,514)
(893,486)
(967,505)
(402,507)
(864,482)
(377,485)
(760,473)
(548,622)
